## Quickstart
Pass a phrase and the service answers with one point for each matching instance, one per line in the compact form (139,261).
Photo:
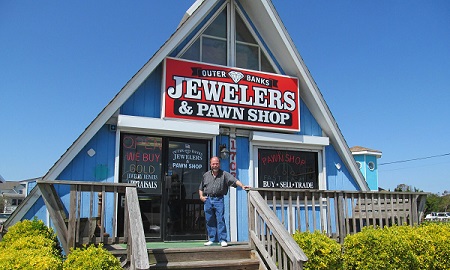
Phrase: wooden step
(240,264)
(199,254)
(236,257)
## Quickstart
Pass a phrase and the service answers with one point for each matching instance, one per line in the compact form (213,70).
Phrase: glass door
(187,161)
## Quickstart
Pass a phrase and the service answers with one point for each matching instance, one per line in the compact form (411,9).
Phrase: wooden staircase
(237,256)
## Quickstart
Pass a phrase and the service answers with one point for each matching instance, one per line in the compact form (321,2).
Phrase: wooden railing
(76,227)
(268,236)
(339,213)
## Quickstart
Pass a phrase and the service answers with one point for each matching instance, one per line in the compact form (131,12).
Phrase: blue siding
(338,179)
(243,158)
(308,124)
(146,100)
(360,159)
(37,210)
(98,168)
(372,176)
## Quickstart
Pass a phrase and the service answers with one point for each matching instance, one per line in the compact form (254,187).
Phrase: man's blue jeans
(215,220)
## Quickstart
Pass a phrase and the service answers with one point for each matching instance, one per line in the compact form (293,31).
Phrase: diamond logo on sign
(236,76)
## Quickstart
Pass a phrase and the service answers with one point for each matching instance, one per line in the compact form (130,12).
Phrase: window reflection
(211,46)
(214,51)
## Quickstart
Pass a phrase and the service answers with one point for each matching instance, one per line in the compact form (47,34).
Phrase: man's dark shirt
(217,185)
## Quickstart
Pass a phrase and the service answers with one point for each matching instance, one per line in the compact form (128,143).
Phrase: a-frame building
(229,78)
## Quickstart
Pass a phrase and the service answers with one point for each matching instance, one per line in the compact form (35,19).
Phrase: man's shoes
(208,243)
(224,244)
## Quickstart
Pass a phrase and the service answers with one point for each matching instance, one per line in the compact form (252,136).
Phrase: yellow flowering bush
(322,252)
(30,252)
(30,245)
(374,248)
(28,228)
(433,249)
(91,258)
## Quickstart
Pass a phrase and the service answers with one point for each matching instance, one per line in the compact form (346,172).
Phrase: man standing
(213,187)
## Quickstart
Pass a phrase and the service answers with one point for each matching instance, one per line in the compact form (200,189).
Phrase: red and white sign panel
(233,96)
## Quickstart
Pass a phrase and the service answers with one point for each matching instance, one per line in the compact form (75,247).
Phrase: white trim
(322,169)
(167,127)
(233,215)
(291,142)
(117,157)
(285,140)
(373,167)
(365,152)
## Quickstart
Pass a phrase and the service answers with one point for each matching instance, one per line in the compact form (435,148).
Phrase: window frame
(232,10)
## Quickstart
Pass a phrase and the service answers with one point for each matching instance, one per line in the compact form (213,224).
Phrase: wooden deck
(273,216)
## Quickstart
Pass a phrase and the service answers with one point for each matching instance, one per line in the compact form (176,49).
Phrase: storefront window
(287,169)
(141,162)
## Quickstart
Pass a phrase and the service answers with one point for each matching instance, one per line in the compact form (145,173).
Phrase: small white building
(12,193)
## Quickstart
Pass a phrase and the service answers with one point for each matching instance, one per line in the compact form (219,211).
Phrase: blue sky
(383,68)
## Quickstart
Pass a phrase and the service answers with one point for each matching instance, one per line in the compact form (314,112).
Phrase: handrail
(276,214)
(139,254)
(270,238)
(75,228)
(339,213)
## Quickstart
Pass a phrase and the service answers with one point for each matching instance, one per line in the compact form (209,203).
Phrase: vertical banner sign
(233,161)
(233,96)
(141,162)
(287,169)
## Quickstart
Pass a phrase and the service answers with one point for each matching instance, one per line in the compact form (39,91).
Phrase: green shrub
(399,247)
(91,258)
(30,252)
(388,248)
(28,228)
(322,252)
(432,245)
(32,245)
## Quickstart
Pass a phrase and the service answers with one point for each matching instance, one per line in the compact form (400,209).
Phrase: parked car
(4,217)
(438,216)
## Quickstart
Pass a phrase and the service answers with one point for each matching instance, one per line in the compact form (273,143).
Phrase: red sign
(233,96)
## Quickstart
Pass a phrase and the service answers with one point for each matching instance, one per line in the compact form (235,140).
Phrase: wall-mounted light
(338,166)
(223,151)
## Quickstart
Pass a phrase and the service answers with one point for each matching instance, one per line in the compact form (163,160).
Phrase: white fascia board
(370,153)
(167,127)
(288,139)
(190,11)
